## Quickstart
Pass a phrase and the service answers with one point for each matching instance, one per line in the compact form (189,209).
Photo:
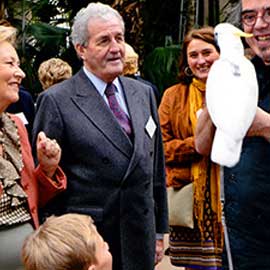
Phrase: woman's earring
(188,71)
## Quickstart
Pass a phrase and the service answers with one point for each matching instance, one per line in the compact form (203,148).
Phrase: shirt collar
(100,84)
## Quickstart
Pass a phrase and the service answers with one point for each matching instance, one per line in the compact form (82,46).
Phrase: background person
(22,187)
(201,247)
(53,70)
(24,108)
(131,69)
(68,242)
(113,160)
(246,185)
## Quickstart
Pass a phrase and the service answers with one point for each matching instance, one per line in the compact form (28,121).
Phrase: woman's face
(200,57)
(10,75)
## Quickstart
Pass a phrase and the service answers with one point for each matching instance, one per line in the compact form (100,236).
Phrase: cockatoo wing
(231,99)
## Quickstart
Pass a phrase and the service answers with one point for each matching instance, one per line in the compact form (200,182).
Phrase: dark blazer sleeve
(26,105)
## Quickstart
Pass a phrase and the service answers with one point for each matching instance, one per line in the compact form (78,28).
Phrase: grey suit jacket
(120,183)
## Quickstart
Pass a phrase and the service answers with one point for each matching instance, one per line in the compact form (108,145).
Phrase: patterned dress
(201,247)
(188,248)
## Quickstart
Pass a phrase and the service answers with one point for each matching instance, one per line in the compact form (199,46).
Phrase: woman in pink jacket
(23,188)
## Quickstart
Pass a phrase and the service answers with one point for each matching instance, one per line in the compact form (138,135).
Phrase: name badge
(22,117)
(150,127)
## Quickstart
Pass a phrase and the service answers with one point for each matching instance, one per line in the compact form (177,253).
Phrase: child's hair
(66,242)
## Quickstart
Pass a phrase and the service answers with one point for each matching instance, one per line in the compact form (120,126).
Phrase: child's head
(67,242)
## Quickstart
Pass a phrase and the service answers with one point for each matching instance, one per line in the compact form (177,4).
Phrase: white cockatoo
(231,95)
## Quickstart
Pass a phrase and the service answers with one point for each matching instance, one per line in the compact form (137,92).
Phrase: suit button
(145,212)
(232,177)
(105,160)
(33,210)
(146,185)
(26,186)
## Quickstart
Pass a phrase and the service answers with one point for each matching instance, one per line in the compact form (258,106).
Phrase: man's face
(104,54)
(258,11)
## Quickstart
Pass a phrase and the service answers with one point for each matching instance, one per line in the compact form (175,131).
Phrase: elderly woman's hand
(48,154)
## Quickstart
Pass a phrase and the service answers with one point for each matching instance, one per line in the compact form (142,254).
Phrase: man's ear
(80,50)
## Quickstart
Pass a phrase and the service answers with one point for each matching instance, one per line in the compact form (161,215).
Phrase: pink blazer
(38,187)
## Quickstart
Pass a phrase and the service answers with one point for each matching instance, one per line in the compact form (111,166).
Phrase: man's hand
(159,250)
(261,125)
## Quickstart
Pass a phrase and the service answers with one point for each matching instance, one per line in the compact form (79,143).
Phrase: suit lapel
(89,102)
(135,108)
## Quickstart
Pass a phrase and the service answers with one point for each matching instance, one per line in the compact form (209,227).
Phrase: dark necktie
(117,110)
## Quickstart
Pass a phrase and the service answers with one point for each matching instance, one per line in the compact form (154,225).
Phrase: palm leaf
(47,34)
(161,66)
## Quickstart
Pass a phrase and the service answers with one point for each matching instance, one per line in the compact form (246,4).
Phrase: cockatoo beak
(240,33)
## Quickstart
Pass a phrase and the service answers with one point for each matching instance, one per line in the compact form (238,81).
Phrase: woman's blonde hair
(53,71)
(66,242)
(131,61)
(8,33)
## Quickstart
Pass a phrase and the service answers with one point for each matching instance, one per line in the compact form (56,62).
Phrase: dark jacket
(24,105)
(120,184)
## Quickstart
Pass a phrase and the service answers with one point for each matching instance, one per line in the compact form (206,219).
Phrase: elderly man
(247,186)
(108,128)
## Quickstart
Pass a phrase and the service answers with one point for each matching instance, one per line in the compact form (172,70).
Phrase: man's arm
(260,125)
(205,130)
(204,134)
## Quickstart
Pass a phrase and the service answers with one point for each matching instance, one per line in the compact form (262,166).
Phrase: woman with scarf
(23,188)
(199,247)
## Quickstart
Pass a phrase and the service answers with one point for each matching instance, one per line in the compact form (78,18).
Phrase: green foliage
(40,36)
(161,66)
(44,10)
(48,36)
(39,42)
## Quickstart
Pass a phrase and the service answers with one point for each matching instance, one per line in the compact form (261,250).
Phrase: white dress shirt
(101,87)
